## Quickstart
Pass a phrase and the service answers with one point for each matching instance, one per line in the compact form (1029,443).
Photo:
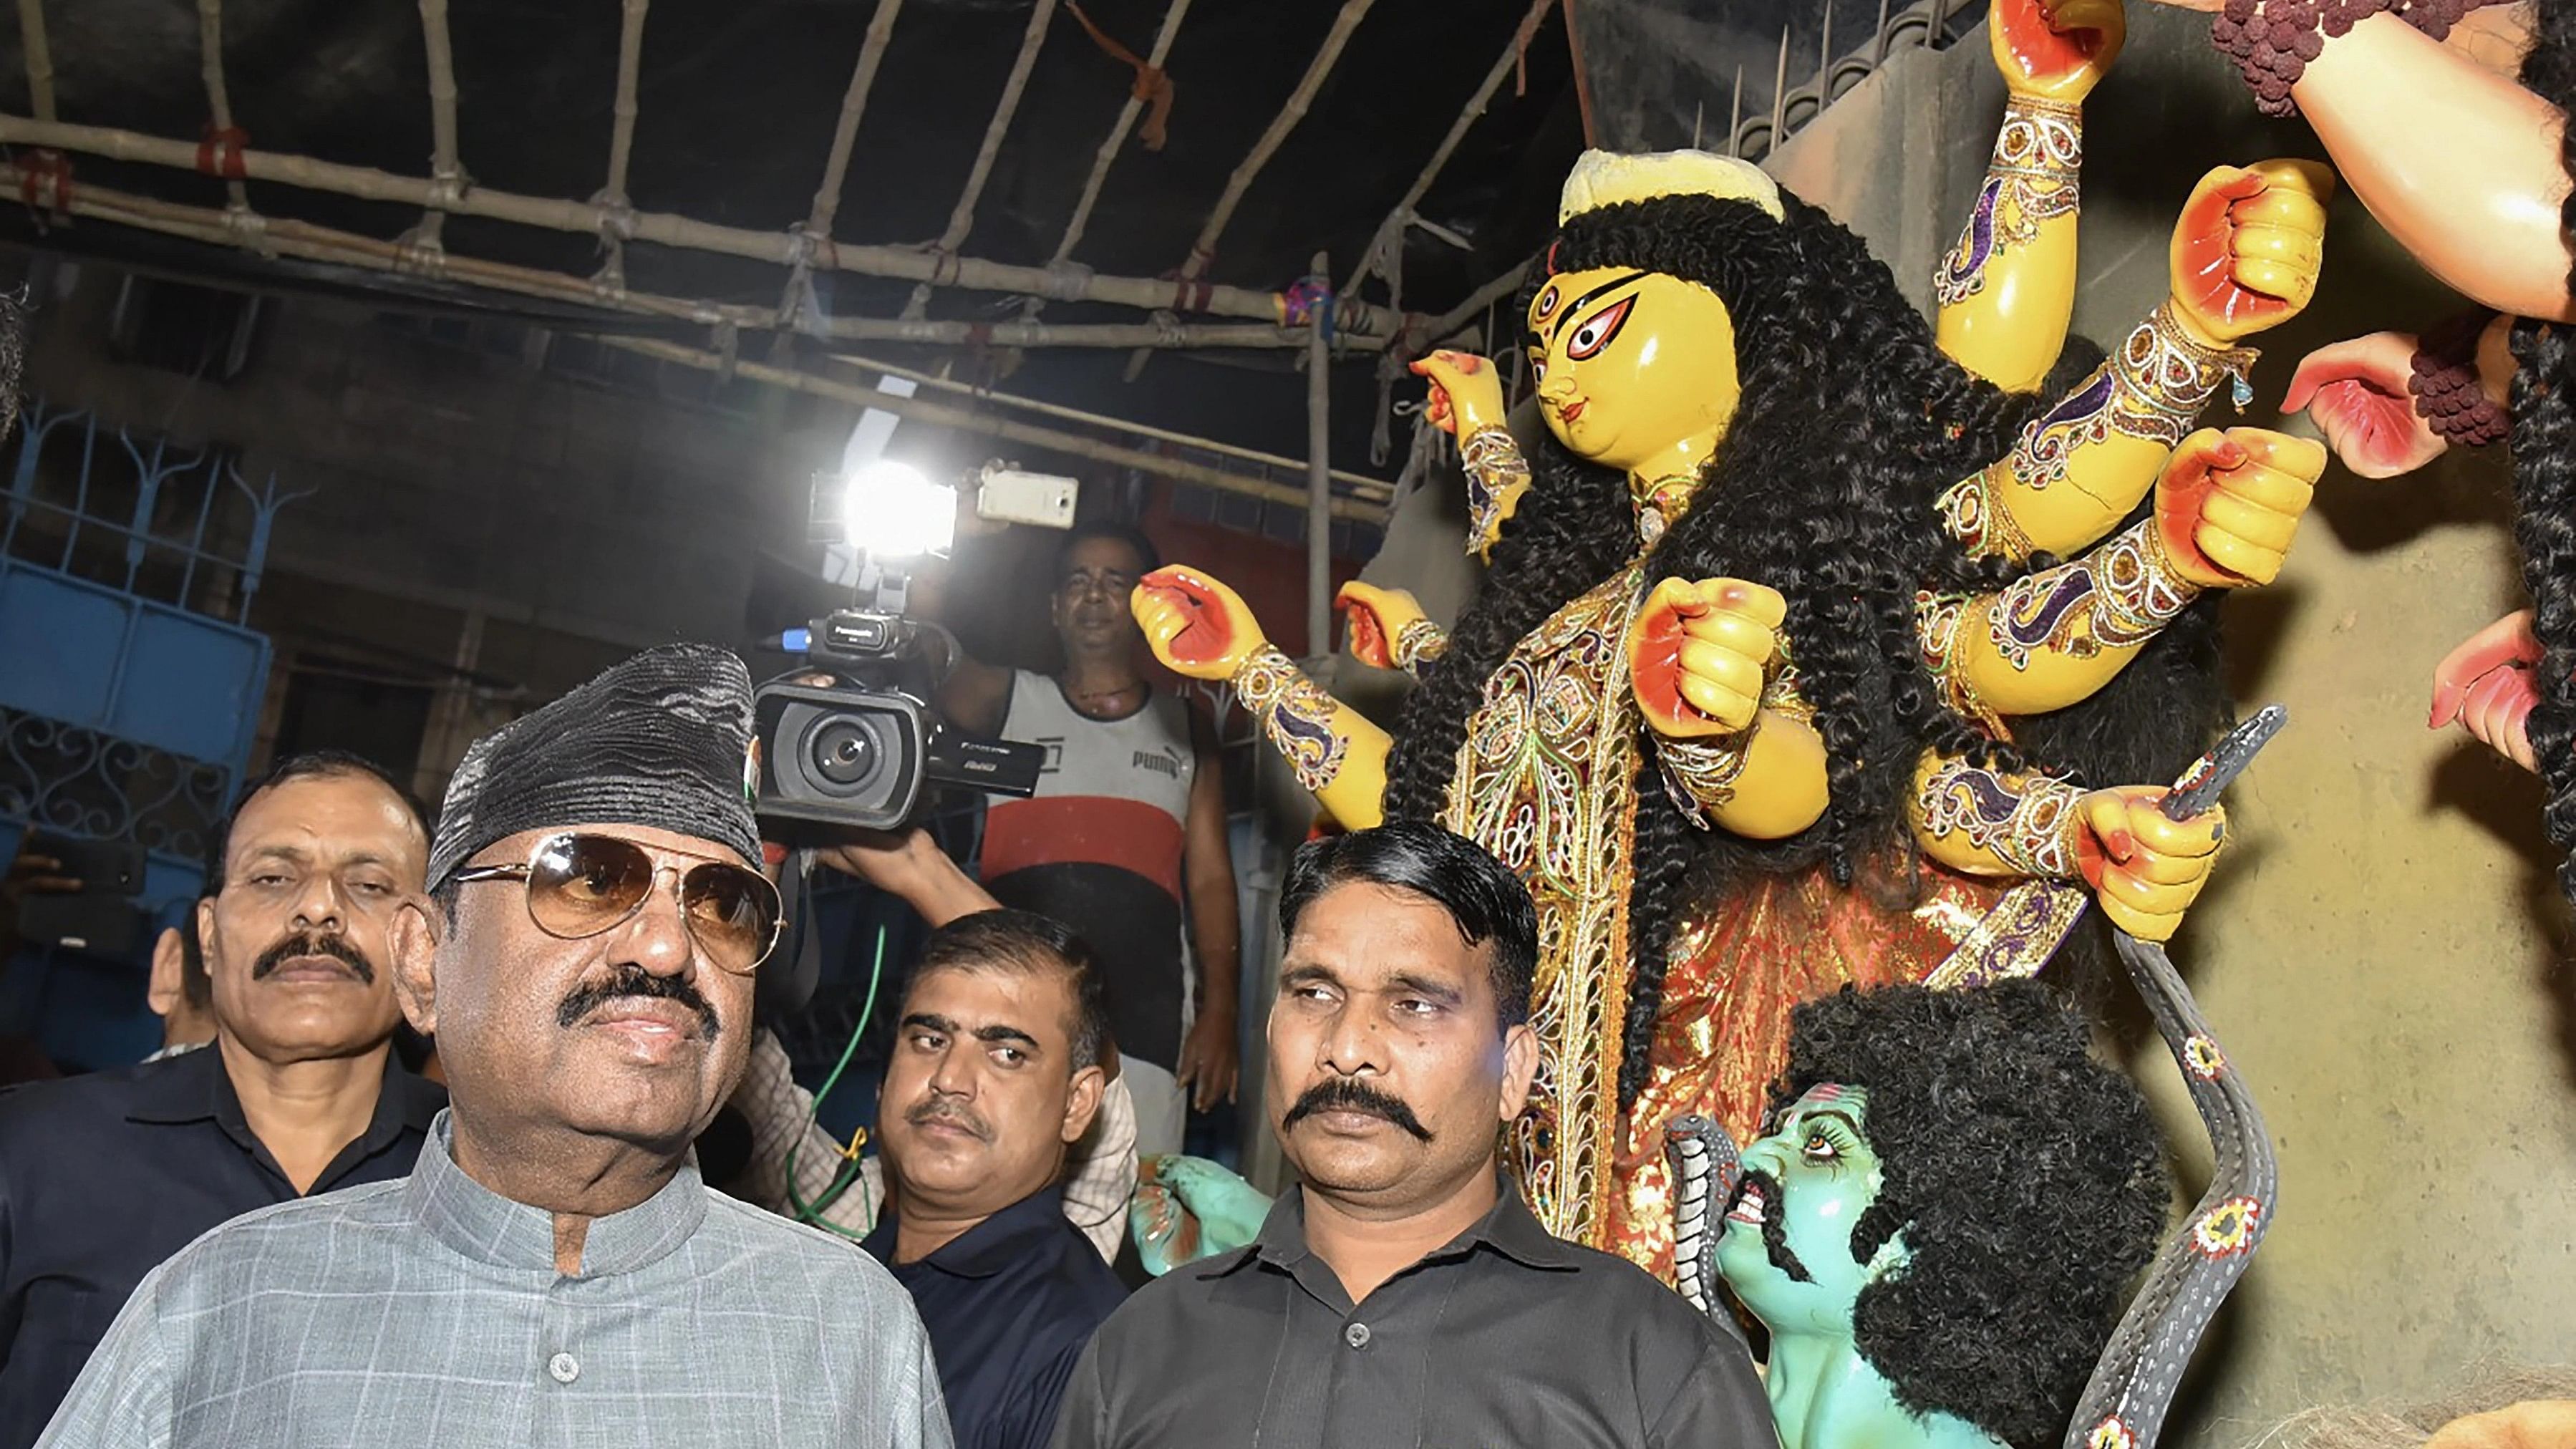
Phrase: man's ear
(415,951)
(1083,1102)
(168,961)
(1520,1069)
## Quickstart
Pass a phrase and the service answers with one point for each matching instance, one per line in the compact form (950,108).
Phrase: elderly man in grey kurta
(553,1272)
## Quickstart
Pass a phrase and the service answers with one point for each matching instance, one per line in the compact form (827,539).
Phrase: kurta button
(566,1368)
(1357,1335)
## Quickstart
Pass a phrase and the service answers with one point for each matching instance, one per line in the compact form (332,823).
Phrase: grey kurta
(428,1310)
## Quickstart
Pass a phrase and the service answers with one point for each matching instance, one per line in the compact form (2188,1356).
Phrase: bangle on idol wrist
(1937,621)
(1417,643)
(2031,825)
(1295,714)
(1496,474)
(1975,514)
(1700,774)
(2443,380)
(2167,375)
(2034,176)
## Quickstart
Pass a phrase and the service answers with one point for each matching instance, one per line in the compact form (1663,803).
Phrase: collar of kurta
(1508,1228)
(489,1228)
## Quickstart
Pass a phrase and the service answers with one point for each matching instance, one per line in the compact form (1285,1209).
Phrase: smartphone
(101,916)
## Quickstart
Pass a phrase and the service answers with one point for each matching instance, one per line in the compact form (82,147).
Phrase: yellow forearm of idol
(1338,755)
(1781,788)
(1201,629)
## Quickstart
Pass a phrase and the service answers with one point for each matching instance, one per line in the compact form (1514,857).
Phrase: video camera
(867,749)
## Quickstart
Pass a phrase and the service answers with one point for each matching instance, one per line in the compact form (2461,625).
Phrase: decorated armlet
(1497,476)
(2444,383)
(2030,823)
(2116,597)
(1418,644)
(2153,388)
(1700,774)
(1294,713)
(2032,179)
(2272,41)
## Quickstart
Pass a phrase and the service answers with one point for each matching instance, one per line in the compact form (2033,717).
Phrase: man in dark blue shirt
(104,1176)
(996,1072)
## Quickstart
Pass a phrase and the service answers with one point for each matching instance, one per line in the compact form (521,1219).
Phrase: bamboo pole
(1203,251)
(1319,472)
(306,241)
(961,218)
(1358,483)
(1117,139)
(898,263)
(40,58)
(219,104)
(621,141)
(447,175)
(845,130)
(1390,232)
(985,425)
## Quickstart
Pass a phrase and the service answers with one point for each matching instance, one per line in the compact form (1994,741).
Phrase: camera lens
(844,751)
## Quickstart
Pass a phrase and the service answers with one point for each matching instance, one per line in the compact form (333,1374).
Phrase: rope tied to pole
(221,151)
(447,187)
(1298,305)
(1065,281)
(248,229)
(45,181)
(1152,85)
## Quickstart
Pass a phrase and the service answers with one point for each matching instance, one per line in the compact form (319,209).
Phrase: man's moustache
(306,943)
(1349,1094)
(633,980)
(936,1108)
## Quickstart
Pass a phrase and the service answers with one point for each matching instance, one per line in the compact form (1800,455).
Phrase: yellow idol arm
(2144,870)
(1767,783)
(1201,629)
(2052,638)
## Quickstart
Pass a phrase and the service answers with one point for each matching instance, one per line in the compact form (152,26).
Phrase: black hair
(1025,942)
(2544,472)
(1481,894)
(2026,1178)
(1849,425)
(310,765)
(1150,557)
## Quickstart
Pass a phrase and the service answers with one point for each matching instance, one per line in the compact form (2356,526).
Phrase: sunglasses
(581,885)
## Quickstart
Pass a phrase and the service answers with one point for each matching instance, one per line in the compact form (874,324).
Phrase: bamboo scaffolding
(1319,479)
(1390,232)
(1358,483)
(845,130)
(447,175)
(621,143)
(985,425)
(662,228)
(219,103)
(40,58)
(1203,251)
(961,218)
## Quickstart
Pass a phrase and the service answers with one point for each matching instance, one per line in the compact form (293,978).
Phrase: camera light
(892,511)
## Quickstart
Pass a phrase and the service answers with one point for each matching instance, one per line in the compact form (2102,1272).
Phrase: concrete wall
(2379,951)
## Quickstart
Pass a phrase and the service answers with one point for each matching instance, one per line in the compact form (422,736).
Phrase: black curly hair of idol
(2026,1177)
(1850,422)
(2544,472)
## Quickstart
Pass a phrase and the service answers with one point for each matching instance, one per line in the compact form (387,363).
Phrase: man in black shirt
(104,1176)
(1403,1294)
(996,1072)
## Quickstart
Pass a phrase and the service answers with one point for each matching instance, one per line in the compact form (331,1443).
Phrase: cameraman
(1127,824)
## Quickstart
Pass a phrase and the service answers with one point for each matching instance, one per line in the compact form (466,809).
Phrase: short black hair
(2027,1178)
(311,764)
(1127,533)
(1026,942)
(1480,893)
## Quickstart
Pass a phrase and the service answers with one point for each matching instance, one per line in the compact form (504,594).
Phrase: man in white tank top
(1125,839)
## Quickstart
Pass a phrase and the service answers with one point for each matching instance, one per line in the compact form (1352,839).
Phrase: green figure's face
(1786,1248)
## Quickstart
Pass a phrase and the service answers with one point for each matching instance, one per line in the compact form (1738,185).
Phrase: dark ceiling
(736,108)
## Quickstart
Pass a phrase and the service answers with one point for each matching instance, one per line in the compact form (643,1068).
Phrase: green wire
(813,1212)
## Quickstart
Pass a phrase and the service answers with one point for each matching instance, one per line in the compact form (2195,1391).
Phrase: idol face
(1635,370)
(1786,1248)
